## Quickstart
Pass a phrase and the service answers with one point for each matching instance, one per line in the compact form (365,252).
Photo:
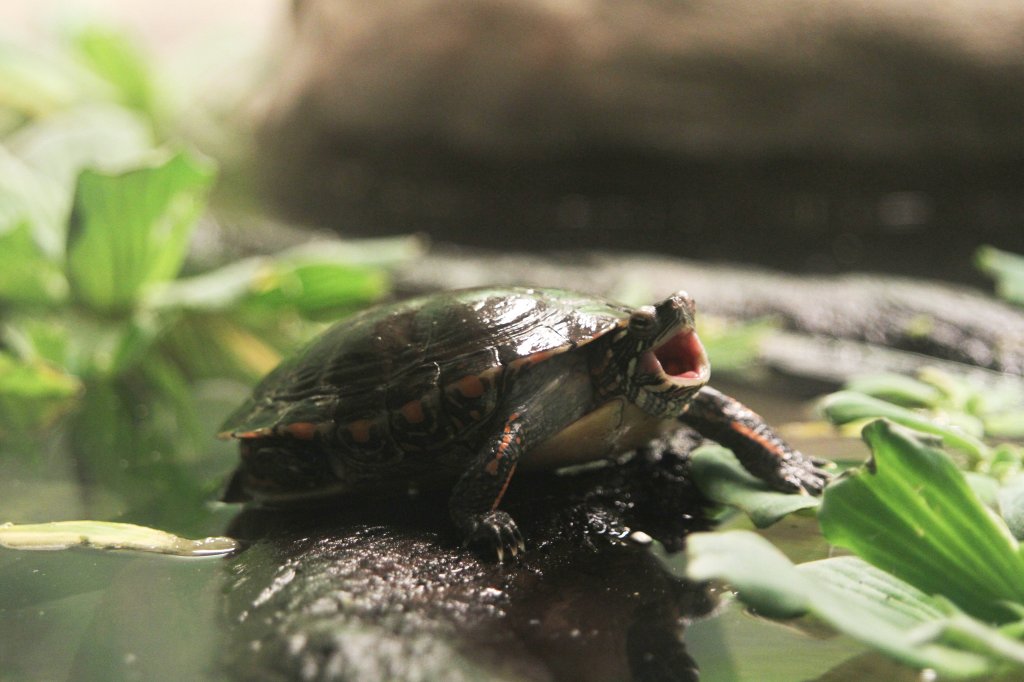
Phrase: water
(377,591)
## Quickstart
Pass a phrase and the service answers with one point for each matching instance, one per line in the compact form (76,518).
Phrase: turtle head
(657,361)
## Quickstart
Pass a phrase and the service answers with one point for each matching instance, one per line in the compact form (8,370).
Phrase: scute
(382,358)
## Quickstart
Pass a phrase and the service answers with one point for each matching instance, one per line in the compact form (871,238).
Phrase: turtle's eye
(643,321)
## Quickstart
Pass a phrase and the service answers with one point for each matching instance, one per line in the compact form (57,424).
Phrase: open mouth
(681,358)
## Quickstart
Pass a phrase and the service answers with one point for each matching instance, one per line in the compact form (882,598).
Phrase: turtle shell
(407,358)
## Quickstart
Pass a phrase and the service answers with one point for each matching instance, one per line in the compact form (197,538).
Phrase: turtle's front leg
(475,498)
(761,451)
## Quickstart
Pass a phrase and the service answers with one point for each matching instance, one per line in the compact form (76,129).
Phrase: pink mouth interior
(682,356)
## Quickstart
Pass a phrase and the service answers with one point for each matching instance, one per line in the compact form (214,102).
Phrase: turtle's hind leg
(475,498)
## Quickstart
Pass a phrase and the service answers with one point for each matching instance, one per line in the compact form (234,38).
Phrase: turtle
(460,388)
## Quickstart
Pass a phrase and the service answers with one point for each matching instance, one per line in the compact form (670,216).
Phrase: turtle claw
(802,475)
(497,530)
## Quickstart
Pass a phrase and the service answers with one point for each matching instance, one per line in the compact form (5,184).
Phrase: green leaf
(844,407)
(83,344)
(733,346)
(962,405)
(1008,424)
(897,388)
(214,291)
(32,84)
(27,196)
(365,252)
(319,290)
(959,392)
(33,337)
(57,148)
(724,480)
(745,560)
(325,283)
(34,380)
(215,346)
(1007,461)
(985,487)
(895,618)
(1011,505)
(854,598)
(1006,268)
(911,512)
(115,58)
(26,277)
(97,136)
(131,229)
(326,280)
(32,394)
(109,535)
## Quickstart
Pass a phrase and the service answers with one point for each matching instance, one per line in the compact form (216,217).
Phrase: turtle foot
(496,531)
(799,474)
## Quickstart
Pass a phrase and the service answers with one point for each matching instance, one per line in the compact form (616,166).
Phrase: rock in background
(878,134)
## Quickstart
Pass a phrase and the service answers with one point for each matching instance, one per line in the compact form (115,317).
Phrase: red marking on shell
(254,433)
(360,430)
(470,386)
(492,467)
(531,359)
(301,430)
(412,411)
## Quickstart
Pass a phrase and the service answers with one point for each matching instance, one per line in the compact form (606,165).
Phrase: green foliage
(33,85)
(116,59)
(103,346)
(26,278)
(130,230)
(846,407)
(856,598)
(960,410)
(1007,269)
(938,580)
(32,394)
(912,513)
(722,479)
(733,346)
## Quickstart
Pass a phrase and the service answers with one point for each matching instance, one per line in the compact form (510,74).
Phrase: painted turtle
(464,386)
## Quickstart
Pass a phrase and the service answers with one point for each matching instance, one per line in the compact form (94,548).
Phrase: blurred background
(175,177)
(876,135)
(882,135)
(879,135)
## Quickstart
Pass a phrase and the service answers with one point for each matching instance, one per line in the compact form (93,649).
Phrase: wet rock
(384,591)
(929,320)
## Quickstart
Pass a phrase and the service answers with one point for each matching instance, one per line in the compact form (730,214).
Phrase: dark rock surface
(926,318)
(383,591)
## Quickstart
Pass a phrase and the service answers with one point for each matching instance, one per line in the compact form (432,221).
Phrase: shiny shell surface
(417,373)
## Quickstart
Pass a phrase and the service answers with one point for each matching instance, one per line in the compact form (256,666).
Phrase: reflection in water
(383,591)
